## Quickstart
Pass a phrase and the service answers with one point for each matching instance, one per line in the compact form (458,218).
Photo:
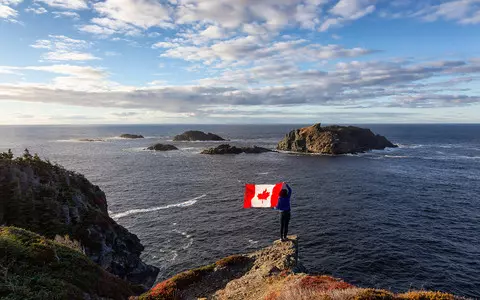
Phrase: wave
(145,210)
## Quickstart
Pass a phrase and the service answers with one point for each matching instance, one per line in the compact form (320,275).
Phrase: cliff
(272,273)
(47,199)
(333,140)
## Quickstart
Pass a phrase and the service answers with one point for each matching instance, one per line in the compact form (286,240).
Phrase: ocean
(400,219)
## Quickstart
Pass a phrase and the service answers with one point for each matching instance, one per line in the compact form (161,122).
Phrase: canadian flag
(261,195)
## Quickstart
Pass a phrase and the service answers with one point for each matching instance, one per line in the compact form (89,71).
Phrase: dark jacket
(284,202)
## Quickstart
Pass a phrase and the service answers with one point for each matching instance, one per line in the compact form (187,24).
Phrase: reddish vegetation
(272,296)
(323,283)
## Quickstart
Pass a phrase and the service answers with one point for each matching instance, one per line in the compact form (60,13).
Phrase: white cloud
(213,32)
(346,11)
(67,14)
(62,48)
(66,4)
(7,12)
(36,10)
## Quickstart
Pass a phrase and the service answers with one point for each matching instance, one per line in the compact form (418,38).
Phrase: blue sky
(242,61)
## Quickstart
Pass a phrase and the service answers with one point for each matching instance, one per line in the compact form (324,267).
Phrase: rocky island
(227,149)
(333,140)
(195,135)
(131,136)
(162,147)
(49,200)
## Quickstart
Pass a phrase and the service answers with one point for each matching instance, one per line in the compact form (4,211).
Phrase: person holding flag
(283,206)
(275,196)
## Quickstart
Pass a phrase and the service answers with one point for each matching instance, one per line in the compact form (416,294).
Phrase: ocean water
(405,218)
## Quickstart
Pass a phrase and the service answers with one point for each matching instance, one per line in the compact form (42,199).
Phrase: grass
(170,289)
(34,267)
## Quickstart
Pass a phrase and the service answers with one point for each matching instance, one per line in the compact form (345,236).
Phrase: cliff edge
(271,273)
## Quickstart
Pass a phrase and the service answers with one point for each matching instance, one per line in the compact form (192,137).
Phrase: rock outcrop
(91,140)
(271,273)
(49,200)
(162,147)
(228,149)
(195,135)
(131,136)
(333,140)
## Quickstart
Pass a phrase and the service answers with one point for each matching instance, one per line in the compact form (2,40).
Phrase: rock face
(333,140)
(162,147)
(195,135)
(49,200)
(227,149)
(131,136)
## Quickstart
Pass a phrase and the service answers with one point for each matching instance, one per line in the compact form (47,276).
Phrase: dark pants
(284,220)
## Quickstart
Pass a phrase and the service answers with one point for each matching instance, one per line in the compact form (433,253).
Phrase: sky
(239,61)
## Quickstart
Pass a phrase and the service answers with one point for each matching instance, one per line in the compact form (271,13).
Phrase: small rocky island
(131,136)
(162,147)
(333,140)
(228,149)
(195,135)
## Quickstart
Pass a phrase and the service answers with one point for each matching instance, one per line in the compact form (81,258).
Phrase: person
(283,206)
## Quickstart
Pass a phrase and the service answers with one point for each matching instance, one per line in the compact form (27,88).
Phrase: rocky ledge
(333,140)
(272,273)
(195,135)
(131,136)
(47,199)
(227,149)
(162,147)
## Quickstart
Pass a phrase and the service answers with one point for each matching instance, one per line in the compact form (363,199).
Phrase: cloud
(36,10)
(129,17)
(66,14)
(7,13)
(66,4)
(125,114)
(353,84)
(62,48)
(245,50)
(346,11)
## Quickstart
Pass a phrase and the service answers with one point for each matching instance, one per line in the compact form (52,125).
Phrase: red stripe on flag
(275,194)
(248,196)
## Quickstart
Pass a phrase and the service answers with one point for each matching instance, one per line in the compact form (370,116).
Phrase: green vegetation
(34,267)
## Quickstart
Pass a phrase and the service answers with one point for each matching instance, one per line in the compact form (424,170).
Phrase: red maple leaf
(264,195)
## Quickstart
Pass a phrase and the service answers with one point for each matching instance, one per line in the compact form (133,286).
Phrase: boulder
(333,140)
(49,200)
(195,135)
(162,147)
(228,149)
(131,136)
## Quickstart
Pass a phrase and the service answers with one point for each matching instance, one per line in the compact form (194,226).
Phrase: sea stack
(333,140)
(162,147)
(195,135)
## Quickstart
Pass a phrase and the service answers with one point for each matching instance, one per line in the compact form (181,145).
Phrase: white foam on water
(145,210)
(263,173)
(396,156)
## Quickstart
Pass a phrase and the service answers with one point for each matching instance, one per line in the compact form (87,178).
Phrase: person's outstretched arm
(289,190)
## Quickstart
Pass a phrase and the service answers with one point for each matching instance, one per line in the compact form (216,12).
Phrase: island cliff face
(333,140)
(49,200)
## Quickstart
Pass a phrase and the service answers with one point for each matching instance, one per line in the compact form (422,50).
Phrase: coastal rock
(131,136)
(333,140)
(228,149)
(195,135)
(162,147)
(274,272)
(49,200)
